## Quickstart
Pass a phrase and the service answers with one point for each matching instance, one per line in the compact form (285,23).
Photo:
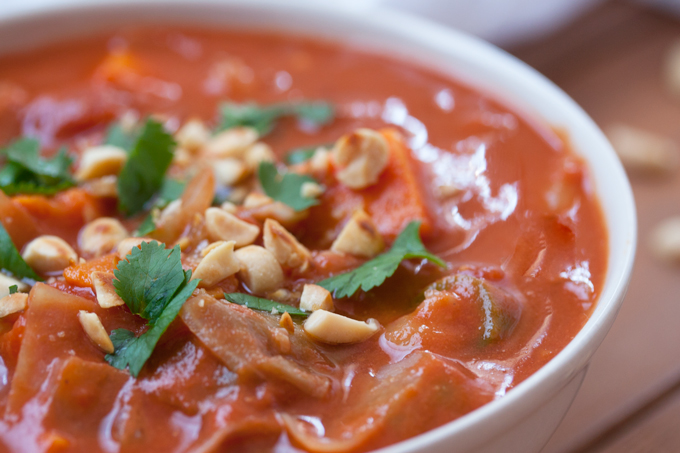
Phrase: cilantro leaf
(11,261)
(116,135)
(135,351)
(144,172)
(26,152)
(120,339)
(374,272)
(33,188)
(148,278)
(300,155)
(153,285)
(25,171)
(263,118)
(171,190)
(147,226)
(286,188)
(257,303)
(13,289)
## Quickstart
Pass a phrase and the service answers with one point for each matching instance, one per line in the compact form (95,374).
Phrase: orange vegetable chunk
(52,332)
(16,220)
(79,274)
(83,396)
(63,214)
(394,201)
(422,380)
(247,343)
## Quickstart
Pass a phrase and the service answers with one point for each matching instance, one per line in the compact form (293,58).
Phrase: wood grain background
(611,62)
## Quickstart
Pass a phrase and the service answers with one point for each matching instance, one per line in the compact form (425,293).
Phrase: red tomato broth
(185,396)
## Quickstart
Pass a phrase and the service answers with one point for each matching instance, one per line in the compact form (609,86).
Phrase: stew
(224,241)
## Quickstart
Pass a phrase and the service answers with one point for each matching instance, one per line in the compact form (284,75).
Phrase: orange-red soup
(502,199)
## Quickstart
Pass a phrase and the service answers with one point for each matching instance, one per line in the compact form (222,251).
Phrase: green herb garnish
(154,286)
(13,289)
(25,171)
(170,191)
(263,118)
(147,226)
(11,261)
(374,272)
(118,136)
(144,172)
(286,188)
(257,303)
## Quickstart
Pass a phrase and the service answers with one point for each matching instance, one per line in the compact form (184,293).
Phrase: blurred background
(620,60)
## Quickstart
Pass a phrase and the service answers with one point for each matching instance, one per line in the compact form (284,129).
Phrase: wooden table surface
(611,62)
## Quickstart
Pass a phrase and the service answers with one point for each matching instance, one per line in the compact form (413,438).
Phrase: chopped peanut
(315,297)
(665,240)
(218,263)
(101,236)
(281,339)
(94,329)
(6,281)
(260,271)
(359,237)
(256,200)
(223,226)
(100,161)
(125,246)
(13,303)
(232,142)
(169,213)
(107,296)
(320,162)
(310,190)
(229,207)
(643,151)
(238,194)
(229,171)
(49,254)
(284,296)
(333,328)
(104,187)
(259,152)
(182,157)
(287,322)
(193,135)
(284,246)
(262,207)
(361,156)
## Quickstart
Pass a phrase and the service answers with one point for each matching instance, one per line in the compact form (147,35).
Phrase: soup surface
(294,181)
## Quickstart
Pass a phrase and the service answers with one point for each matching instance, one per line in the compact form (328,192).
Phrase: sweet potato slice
(246,342)
(19,224)
(63,214)
(422,380)
(84,394)
(397,198)
(52,332)
(394,201)
(79,274)
(197,197)
(460,313)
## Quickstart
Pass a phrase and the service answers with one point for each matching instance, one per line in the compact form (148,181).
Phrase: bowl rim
(431,36)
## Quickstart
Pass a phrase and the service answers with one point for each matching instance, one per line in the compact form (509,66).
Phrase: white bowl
(524,419)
